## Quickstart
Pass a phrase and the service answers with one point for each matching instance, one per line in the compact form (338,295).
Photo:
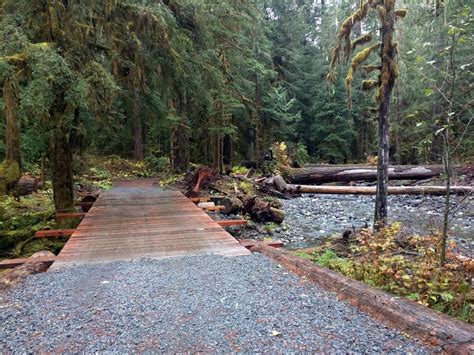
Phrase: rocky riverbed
(312,218)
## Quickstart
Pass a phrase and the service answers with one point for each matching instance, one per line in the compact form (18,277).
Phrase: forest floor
(194,304)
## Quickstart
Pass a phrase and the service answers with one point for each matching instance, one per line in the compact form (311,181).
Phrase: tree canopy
(218,83)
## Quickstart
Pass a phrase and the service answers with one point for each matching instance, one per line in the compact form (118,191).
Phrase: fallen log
(262,211)
(452,335)
(27,185)
(22,268)
(39,257)
(232,205)
(319,174)
(371,190)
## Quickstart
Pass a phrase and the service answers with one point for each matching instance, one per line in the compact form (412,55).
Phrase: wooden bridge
(129,223)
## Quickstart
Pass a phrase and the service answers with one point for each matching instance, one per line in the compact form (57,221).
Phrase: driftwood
(318,174)
(232,205)
(371,190)
(452,335)
(262,211)
(197,180)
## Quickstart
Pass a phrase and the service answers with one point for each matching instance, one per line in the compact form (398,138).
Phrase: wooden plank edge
(452,335)
(250,243)
(232,222)
(199,199)
(69,215)
(54,233)
(213,208)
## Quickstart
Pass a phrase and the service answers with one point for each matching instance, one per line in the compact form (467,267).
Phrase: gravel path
(206,303)
(312,217)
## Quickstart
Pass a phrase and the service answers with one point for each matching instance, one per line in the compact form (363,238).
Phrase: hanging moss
(359,41)
(358,59)
(349,78)
(368,85)
(345,33)
(361,56)
(370,68)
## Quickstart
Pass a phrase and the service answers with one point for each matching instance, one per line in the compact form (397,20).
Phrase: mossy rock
(9,176)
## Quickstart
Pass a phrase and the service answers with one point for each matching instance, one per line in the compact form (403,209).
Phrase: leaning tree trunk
(137,127)
(387,81)
(60,156)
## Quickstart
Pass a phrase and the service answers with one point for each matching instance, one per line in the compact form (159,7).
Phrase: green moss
(9,176)
(20,220)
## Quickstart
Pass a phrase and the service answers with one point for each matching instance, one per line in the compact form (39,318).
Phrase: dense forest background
(218,82)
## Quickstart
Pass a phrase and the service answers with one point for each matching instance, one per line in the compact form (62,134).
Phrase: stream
(311,218)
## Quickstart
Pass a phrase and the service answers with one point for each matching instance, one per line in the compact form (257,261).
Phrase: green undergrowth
(99,171)
(403,265)
(20,220)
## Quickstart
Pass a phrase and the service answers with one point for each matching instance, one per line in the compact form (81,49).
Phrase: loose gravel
(311,218)
(205,303)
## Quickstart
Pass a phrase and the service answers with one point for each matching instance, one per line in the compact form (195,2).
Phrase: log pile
(234,200)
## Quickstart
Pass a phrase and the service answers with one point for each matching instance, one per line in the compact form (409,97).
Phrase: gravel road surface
(195,304)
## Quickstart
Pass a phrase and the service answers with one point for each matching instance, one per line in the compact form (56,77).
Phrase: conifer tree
(388,72)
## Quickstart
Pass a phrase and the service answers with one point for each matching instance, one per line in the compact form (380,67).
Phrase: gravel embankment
(312,217)
(206,303)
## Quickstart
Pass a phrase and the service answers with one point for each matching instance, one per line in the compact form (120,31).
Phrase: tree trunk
(387,80)
(340,173)
(180,148)
(398,146)
(12,132)
(370,190)
(60,156)
(137,127)
(10,171)
(436,153)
